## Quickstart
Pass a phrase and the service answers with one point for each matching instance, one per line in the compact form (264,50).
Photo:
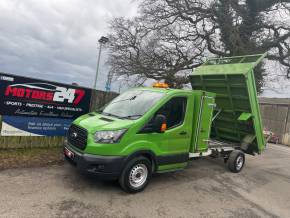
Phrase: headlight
(109,137)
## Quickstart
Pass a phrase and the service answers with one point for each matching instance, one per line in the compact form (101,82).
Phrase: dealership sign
(20,96)
(34,126)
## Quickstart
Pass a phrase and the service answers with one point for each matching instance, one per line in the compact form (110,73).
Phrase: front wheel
(236,161)
(136,175)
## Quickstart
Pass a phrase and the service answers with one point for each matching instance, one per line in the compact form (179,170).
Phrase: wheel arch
(146,153)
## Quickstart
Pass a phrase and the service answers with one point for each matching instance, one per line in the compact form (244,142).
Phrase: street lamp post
(102,41)
(109,81)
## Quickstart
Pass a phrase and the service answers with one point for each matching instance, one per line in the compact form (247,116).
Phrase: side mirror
(160,123)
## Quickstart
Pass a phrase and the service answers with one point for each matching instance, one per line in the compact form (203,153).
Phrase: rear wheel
(236,161)
(136,175)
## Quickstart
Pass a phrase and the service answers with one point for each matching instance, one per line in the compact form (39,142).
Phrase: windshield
(132,104)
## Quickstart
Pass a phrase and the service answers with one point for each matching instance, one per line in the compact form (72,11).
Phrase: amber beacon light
(160,85)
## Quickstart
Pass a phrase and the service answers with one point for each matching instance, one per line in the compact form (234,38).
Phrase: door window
(174,111)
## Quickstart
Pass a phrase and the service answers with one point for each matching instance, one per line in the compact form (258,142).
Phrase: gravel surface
(205,189)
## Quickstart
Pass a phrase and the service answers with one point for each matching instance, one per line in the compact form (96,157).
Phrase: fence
(276,117)
(99,98)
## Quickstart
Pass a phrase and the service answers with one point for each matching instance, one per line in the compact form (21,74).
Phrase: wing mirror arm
(160,125)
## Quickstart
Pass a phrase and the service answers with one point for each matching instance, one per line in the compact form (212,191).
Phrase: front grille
(77,136)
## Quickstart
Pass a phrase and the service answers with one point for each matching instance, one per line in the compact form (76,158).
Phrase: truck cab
(154,130)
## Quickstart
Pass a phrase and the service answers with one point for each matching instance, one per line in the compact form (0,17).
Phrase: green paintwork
(170,167)
(245,116)
(233,82)
(161,144)
(202,115)
(229,65)
(227,84)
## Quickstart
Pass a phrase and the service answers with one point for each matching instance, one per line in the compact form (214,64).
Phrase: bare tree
(160,54)
(171,35)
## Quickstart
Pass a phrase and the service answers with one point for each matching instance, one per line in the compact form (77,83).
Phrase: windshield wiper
(112,115)
(99,111)
(126,99)
(131,116)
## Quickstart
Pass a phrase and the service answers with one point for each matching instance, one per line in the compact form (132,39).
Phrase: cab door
(177,138)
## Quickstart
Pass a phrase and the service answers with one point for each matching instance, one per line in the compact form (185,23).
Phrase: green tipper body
(238,114)
(223,90)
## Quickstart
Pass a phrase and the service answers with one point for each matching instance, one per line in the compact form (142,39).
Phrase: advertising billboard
(32,107)
(34,126)
(21,96)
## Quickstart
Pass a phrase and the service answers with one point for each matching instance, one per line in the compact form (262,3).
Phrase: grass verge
(35,157)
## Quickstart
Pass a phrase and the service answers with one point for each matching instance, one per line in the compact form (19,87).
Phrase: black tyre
(236,161)
(136,175)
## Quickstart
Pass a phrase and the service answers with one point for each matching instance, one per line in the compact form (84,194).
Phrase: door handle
(183,133)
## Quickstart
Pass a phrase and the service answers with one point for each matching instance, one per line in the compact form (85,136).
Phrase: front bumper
(102,167)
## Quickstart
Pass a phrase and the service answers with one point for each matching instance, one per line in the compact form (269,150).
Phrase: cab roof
(164,90)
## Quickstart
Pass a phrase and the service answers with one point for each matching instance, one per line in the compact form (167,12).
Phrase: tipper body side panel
(202,120)
(237,114)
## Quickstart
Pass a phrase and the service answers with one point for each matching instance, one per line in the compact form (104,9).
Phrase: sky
(57,40)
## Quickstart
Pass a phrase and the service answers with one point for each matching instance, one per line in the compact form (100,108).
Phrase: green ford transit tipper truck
(154,130)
